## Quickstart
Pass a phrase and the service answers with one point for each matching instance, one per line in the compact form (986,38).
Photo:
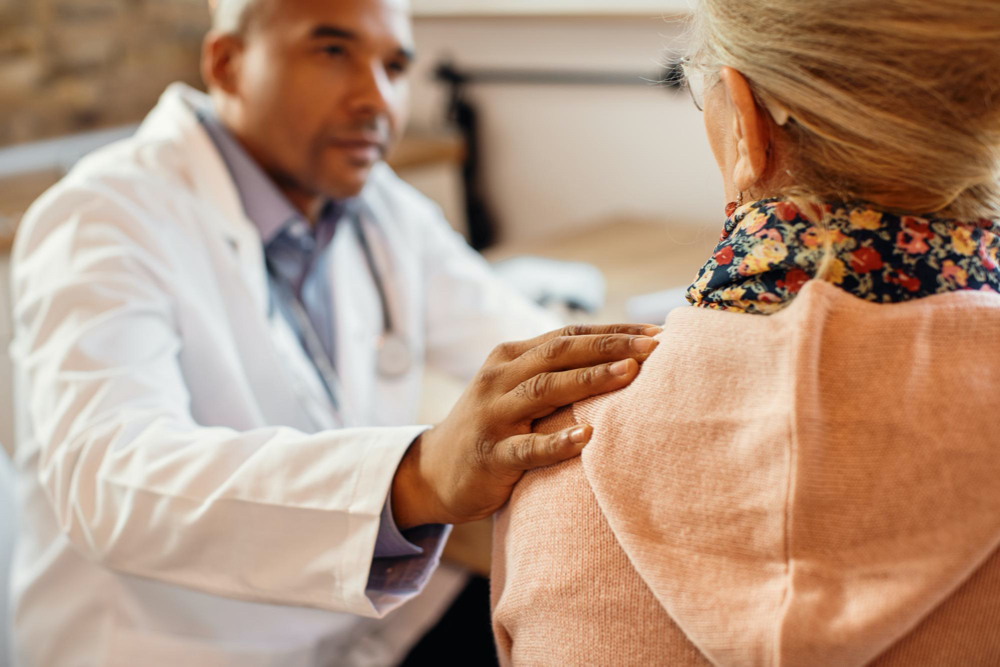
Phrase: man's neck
(307,203)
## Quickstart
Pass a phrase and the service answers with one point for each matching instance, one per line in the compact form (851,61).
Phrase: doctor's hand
(465,468)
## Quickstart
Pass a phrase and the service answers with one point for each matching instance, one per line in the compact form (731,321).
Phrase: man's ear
(751,130)
(220,59)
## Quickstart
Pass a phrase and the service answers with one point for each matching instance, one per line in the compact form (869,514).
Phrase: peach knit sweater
(817,487)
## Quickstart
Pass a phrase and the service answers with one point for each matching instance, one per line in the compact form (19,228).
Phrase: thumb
(527,452)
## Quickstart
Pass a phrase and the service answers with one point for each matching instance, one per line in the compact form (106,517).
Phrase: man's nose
(373,92)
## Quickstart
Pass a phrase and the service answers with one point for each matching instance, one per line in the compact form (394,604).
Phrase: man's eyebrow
(333,32)
(326,31)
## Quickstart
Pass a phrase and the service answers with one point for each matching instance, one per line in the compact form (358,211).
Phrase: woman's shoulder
(563,589)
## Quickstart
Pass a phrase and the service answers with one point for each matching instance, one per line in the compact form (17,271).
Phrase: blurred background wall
(560,157)
(70,65)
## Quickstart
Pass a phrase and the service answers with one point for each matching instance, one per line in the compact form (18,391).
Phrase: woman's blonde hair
(892,101)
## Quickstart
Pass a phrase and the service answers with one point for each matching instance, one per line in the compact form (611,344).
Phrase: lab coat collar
(174,120)
(263,203)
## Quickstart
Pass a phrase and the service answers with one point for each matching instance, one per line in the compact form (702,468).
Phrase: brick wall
(71,65)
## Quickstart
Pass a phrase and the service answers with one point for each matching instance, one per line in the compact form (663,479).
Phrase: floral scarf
(769,250)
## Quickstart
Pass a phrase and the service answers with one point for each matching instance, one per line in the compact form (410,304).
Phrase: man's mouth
(363,150)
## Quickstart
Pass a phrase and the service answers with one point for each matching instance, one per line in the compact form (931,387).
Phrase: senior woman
(807,471)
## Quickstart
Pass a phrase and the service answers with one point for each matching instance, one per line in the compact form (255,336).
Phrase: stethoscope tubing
(311,339)
(388,327)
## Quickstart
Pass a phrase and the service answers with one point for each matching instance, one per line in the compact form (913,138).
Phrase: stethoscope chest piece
(394,356)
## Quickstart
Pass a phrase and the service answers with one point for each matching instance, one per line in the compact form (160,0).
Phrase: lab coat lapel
(174,119)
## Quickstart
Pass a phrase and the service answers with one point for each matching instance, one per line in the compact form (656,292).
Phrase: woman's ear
(751,130)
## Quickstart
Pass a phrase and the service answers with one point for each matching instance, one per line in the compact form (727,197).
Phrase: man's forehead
(402,5)
(363,18)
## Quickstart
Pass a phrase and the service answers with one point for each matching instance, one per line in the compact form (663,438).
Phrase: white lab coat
(182,499)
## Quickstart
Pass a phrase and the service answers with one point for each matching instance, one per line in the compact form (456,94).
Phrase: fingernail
(644,345)
(652,331)
(579,435)
(620,368)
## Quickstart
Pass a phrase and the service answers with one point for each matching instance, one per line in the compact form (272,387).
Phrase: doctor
(221,327)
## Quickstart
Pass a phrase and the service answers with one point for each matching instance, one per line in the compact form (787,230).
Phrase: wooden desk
(636,257)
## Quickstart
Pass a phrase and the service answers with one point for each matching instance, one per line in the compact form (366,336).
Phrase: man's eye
(333,50)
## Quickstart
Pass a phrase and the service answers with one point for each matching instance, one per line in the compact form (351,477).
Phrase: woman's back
(813,487)
(811,479)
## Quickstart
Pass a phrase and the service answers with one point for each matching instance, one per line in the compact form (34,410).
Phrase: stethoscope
(393,354)
(393,348)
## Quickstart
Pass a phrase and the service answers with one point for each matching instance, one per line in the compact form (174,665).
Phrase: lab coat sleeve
(269,515)
(470,309)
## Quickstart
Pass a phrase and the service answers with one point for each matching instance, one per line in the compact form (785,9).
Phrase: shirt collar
(263,203)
